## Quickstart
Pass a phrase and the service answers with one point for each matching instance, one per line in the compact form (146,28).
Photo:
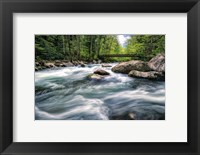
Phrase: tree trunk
(99,46)
(90,53)
(69,46)
(110,45)
(79,47)
(63,45)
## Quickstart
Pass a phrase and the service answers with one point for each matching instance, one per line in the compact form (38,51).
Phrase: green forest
(92,47)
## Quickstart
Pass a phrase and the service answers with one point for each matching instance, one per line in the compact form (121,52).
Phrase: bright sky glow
(122,39)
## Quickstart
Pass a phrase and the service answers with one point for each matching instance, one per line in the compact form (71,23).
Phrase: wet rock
(157,63)
(57,63)
(42,67)
(75,63)
(101,72)
(62,65)
(154,75)
(95,77)
(43,62)
(68,64)
(65,61)
(37,64)
(126,67)
(132,116)
(39,68)
(106,65)
(83,65)
(125,116)
(98,74)
(49,65)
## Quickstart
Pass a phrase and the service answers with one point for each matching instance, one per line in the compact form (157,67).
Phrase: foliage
(145,46)
(90,47)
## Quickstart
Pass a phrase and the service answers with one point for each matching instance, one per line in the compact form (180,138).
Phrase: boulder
(49,65)
(75,63)
(101,72)
(82,65)
(126,67)
(42,67)
(37,64)
(66,61)
(157,63)
(57,64)
(94,61)
(80,62)
(154,75)
(57,61)
(106,65)
(125,116)
(132,116)
(98,74)
(67,64)
(95,77)
(39,68)
(62,65)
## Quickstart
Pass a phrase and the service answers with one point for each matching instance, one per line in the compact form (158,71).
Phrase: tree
(89,47)
(146,46)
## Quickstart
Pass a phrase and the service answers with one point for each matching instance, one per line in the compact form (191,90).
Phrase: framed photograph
(99,77)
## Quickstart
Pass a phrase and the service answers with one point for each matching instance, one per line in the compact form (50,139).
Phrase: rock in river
(154,75)
(67,64)
(95,77)
(106,65)
(101,72)
(98,74)
(49,65)
(83,65)
(126,67)
(37,64)
(157,63)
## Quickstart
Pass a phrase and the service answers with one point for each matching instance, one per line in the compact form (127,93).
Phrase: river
(68,94)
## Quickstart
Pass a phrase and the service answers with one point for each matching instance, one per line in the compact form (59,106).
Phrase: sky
(122,39)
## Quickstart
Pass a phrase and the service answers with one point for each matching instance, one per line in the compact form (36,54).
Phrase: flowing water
(68,94)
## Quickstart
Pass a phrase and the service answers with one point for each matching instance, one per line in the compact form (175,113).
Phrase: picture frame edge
(8,146)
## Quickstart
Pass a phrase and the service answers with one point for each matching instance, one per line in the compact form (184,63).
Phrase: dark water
(67,94)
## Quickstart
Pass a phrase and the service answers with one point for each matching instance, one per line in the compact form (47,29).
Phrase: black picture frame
(8,7)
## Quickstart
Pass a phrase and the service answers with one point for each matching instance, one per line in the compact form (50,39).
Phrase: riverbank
(153,69)
(44,64)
